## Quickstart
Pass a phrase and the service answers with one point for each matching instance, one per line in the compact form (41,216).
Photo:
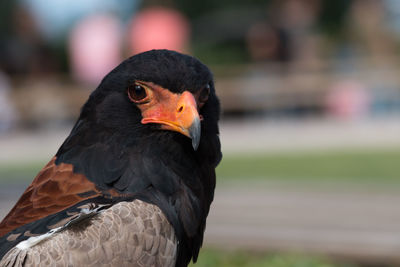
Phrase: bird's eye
(137,93)
(203,97)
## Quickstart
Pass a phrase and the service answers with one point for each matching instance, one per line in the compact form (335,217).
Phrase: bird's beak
(179,113)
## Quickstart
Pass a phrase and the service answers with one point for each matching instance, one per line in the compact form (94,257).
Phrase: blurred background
(310,129)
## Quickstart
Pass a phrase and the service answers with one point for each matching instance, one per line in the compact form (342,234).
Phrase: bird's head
(157,90)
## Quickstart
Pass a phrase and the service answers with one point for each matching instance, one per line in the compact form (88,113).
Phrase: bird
(133,183)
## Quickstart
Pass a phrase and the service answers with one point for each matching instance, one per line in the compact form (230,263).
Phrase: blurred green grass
(380,165)
(20,172)
(212,257)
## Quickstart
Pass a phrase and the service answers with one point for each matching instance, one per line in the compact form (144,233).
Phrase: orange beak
(176,113)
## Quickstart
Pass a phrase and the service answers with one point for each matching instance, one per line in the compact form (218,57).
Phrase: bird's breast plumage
(129,233)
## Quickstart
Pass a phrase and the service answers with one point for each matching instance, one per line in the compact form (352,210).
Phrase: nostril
(180,109)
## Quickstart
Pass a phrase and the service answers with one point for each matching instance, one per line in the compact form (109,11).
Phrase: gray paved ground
(9,194)
(347,222)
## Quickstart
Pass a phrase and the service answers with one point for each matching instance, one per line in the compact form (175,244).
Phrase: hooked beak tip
(195,133)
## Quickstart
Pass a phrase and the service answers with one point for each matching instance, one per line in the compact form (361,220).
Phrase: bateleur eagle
(133,182)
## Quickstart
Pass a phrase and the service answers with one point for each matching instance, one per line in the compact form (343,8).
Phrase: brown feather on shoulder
(55,188)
